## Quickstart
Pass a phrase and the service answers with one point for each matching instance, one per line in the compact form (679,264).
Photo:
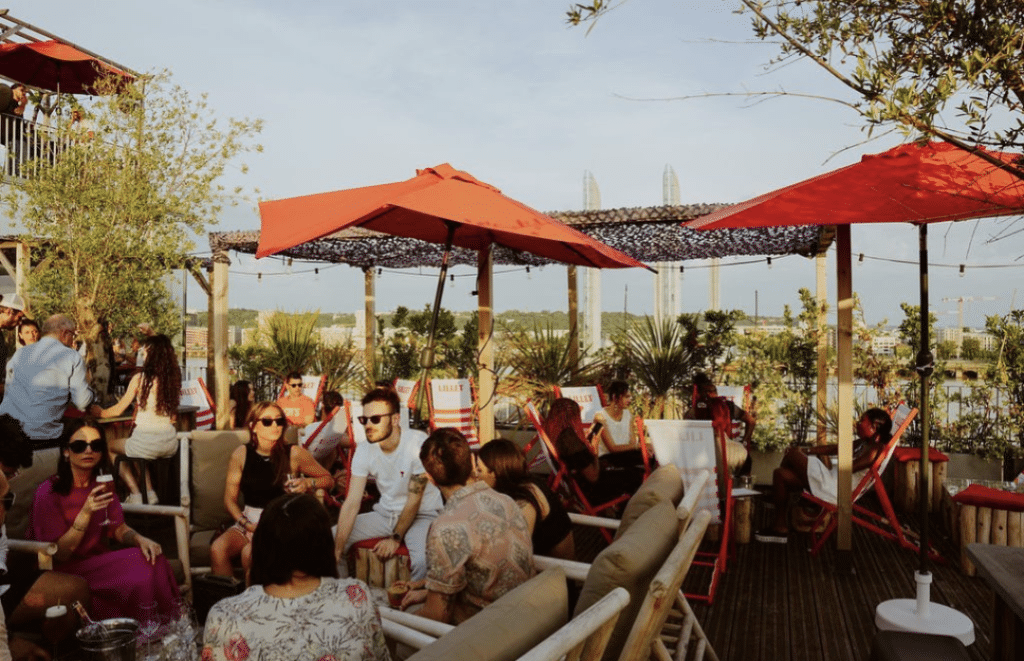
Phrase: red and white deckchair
(886,524)
(406,390)
(194,393)
(690,446)
(590,398)
(452,403)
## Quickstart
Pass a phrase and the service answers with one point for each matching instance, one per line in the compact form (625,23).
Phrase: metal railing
(28,145)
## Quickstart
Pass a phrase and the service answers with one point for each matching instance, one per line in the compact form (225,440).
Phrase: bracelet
(242,521)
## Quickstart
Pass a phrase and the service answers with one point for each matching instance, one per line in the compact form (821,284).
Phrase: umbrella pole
(925,367)
(920,615)
(427,357)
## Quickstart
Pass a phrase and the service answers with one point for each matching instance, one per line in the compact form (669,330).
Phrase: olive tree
(109,214)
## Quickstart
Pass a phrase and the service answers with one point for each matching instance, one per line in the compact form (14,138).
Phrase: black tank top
(257,484)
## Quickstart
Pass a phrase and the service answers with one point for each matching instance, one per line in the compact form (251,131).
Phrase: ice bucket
(109,640)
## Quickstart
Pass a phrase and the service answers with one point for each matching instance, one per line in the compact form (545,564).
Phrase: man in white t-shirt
(408,502)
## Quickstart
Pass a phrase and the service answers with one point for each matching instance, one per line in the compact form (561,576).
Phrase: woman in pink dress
(80,515)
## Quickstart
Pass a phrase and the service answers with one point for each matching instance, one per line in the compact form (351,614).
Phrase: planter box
(969,466)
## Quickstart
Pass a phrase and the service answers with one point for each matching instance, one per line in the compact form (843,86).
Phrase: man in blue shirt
(42,380)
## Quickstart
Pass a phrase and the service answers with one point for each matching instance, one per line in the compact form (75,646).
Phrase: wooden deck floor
(779,602)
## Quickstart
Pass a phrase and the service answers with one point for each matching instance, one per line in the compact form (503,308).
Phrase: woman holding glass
(79,511)
(261,470)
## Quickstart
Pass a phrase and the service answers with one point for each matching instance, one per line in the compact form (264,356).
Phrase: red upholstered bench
(907,481)
(987,516)
(364,564)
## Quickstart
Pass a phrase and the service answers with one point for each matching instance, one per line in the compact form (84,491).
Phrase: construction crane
(960,300)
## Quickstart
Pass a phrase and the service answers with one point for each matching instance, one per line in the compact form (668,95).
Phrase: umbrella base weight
(922,616)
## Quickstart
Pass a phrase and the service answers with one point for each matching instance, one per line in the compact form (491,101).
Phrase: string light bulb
(259,277)
(380,271)
(528,276)
(769,262)
(860,260)
(963,268)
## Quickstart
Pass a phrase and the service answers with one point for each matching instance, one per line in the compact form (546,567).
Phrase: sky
(364,92)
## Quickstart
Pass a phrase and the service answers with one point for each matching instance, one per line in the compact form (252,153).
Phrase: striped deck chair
(406,389)
(562,482)
(690,446)
(452,403)
(590,398)
(887,524)
(194,393)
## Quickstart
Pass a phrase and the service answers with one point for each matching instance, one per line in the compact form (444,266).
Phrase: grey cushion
(211,451)
(509,627)
(664,484)
(631,562)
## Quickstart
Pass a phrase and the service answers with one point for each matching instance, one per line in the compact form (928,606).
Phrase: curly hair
(161,368)
(564,414)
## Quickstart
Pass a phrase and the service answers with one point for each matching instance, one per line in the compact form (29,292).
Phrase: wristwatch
(395,536)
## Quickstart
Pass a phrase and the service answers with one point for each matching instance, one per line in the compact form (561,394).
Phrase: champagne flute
(107,480)
(288,482)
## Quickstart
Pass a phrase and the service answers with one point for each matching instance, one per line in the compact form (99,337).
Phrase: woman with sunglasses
(80,515)
(156,391)
(260,471)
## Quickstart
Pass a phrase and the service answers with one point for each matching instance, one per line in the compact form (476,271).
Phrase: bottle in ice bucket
(82,614)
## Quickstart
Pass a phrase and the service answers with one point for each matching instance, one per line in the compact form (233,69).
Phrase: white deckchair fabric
(453,404)
(690,446)
(194,393)
(589,399)
(406,389)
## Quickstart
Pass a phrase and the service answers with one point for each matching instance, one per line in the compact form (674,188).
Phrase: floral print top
(335,622)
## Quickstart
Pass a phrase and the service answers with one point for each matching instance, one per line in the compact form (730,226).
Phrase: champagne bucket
(109,640)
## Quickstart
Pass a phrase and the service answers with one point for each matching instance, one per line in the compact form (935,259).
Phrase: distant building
(884,345)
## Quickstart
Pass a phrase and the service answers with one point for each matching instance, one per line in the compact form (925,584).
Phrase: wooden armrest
(594,521)
(598,619)
(421,624)
(685,510)
(44,550)
(161,510)
(575,571)
(405,635)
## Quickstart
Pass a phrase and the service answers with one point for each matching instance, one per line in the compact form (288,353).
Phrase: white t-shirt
(393,470)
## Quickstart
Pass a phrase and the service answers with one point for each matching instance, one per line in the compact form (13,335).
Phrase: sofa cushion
(631,561)
(211,451)
(510,626)
(664,484)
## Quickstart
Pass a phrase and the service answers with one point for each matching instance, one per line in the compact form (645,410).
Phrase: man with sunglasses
(43,379)
(299,409)
(408,502)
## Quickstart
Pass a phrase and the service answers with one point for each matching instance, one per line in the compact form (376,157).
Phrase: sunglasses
(294,385)
(273,421)
(78,447)
(373,419)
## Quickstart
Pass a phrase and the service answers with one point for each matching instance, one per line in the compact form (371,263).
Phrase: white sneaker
(152,497)
(133,499)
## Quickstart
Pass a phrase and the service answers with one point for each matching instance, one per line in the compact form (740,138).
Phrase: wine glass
(107,480)
(149,626)
(288,482)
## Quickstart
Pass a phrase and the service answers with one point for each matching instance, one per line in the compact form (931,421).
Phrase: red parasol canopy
(910,183)
(55,66)
(426,207)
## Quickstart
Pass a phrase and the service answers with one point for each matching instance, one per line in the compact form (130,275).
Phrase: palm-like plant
(539,359)
(661,359)
(292,342)
(341,365)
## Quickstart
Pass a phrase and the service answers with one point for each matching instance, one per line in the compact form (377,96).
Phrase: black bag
(208,589)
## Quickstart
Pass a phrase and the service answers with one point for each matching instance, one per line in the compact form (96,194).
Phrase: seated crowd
(470,523)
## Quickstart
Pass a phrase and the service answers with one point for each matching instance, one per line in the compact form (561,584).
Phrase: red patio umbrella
(55,66)
(439,205)
(912,183)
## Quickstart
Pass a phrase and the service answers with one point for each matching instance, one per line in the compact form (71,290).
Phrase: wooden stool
(907,480)
(163,472)
(364,564)
(742,516)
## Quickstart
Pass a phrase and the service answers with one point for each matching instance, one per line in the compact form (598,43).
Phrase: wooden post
(998,528)
(370,334)
(574,319)
(984,523)
(1015,529)
(485,342)
(21,266)
(938,484)
(844,332)
(219,329)
(821,294)
(743,514)
(968,535)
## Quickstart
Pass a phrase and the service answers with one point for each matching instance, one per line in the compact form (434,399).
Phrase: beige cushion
(211,451)
(664,484)
(509,627)
(631,562)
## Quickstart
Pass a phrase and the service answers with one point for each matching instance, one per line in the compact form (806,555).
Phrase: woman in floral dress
(296,608)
